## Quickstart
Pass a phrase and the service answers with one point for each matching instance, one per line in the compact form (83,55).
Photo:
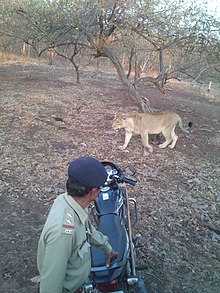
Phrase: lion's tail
(187,130)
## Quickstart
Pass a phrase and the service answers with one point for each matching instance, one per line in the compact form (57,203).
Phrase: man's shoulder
(62,215)
(68,223)
(69,219)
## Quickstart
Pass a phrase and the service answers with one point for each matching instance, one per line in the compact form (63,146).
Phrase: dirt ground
(46,120)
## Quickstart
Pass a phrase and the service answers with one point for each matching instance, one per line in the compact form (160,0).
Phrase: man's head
(84,174)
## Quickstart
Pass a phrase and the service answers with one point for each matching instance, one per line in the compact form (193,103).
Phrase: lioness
(149,123)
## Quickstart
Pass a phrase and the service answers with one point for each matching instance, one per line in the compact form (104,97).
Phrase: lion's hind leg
(168,138)
(174,139)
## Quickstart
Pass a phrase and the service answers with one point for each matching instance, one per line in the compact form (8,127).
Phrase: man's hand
(109,256)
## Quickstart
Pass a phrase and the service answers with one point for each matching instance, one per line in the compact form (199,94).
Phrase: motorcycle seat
(110,225)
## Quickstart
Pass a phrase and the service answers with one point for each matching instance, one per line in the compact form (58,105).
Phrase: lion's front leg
(128,136)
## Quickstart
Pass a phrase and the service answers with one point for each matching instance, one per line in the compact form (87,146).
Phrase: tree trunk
(133,92)
(130,62)
(161,69)
(51,55)
(77,71)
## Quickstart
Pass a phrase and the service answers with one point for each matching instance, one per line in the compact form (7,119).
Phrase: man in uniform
(63,256)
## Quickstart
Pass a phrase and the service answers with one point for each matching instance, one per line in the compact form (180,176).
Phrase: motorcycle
(111,213)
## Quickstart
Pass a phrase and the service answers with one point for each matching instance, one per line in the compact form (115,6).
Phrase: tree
(186,44)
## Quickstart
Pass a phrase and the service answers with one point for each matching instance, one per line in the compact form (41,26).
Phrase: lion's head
(119,121)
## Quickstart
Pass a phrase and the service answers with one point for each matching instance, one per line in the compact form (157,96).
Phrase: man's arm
(99,240)
(54,265)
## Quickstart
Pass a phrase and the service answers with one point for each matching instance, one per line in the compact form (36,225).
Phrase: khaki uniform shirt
(63,256)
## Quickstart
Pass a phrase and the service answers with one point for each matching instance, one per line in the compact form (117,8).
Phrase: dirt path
(46,121)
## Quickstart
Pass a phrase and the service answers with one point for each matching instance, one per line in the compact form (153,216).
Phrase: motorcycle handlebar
(124,180)
(129,181)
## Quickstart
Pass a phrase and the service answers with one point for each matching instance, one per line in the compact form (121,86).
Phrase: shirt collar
(83,216)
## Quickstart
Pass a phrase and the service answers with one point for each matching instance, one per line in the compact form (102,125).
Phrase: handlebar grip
(129,181)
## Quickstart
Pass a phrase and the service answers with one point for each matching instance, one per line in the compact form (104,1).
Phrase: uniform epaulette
(68,225)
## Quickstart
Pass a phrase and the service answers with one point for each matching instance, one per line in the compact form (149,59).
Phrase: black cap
(87,171)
